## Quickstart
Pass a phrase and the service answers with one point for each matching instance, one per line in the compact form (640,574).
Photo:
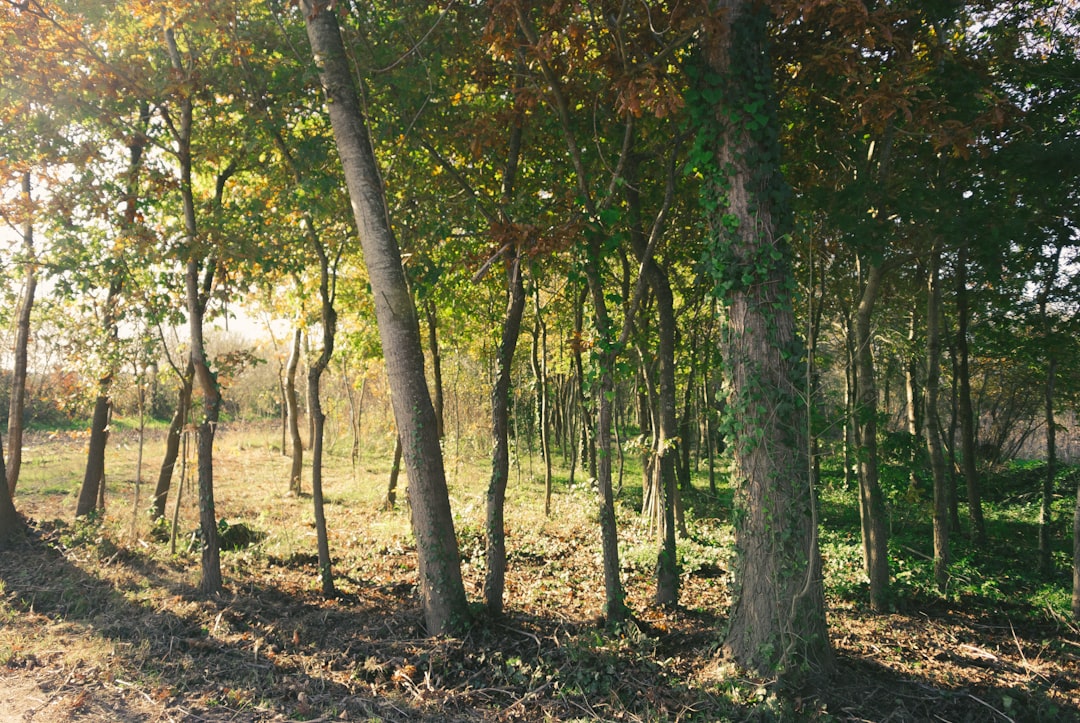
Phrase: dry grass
(100,626)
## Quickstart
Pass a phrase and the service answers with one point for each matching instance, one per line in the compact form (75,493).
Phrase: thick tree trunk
(933,422)
(967,416)
(777,621)
(495,576)
(172,440)
(875,531)
(441,588)
(292,407)
(17,403)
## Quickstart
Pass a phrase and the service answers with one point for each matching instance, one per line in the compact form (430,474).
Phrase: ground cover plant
(101,625)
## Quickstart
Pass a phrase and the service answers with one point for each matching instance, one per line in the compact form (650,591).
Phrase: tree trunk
(967,416)
(17,404)
(441,588)
(315,372)
(777,620)
(1046,561)
(875,531)
(851,382)
(91,493)
(436,364)
(911,388)
(933,421)
(10,524)
(539,365)
(210,580)
(292,406)
(172,440)
(667,448)
(1076,557)
(395,472)
(494,579)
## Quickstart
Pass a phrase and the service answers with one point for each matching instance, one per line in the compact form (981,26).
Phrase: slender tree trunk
(851,382)
(292,405)
(539,365)
(875,531)
(17,402)
(436,364)
(395,472)
(933,422)
(315,373)
(954,423)
(441,588)
(967,416)
(210,581)
(777,620)
(1076,557)
(911,408)
(90,494)
(172,440)
(1046,542)
(494,579)
(667,448)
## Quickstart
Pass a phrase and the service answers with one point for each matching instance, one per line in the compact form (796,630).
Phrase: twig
(983,702)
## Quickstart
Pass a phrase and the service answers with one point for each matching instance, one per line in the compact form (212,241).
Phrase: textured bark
(1046,498)
(875,530)
(441,588)
(17,402)
(933,422)
(777,621)
(292,408)
(495,553)
(172,440)
(395,472)
(911,406)
(1076,557)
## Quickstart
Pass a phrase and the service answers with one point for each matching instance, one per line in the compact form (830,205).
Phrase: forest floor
(99,625)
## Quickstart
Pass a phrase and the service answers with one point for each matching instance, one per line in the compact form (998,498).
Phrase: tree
(777,622)
(441,588)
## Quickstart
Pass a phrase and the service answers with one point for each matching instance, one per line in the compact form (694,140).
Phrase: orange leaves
(649,92)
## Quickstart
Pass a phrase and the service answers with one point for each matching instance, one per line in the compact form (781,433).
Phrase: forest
(569,360)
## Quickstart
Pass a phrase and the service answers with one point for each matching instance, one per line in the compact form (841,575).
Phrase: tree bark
(172,440)
(210,580)
(436,364)
(777,622)
(395,472)
(17,403)
(292,406)
(539,366)
(967,416)
(441,588)
(318,417)
(91,493)
(933,421)
(875,531)
(494,579)
(11,526)
(1046,542)
(666,448)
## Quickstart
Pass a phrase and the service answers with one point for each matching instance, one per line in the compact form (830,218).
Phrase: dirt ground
(98,627)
